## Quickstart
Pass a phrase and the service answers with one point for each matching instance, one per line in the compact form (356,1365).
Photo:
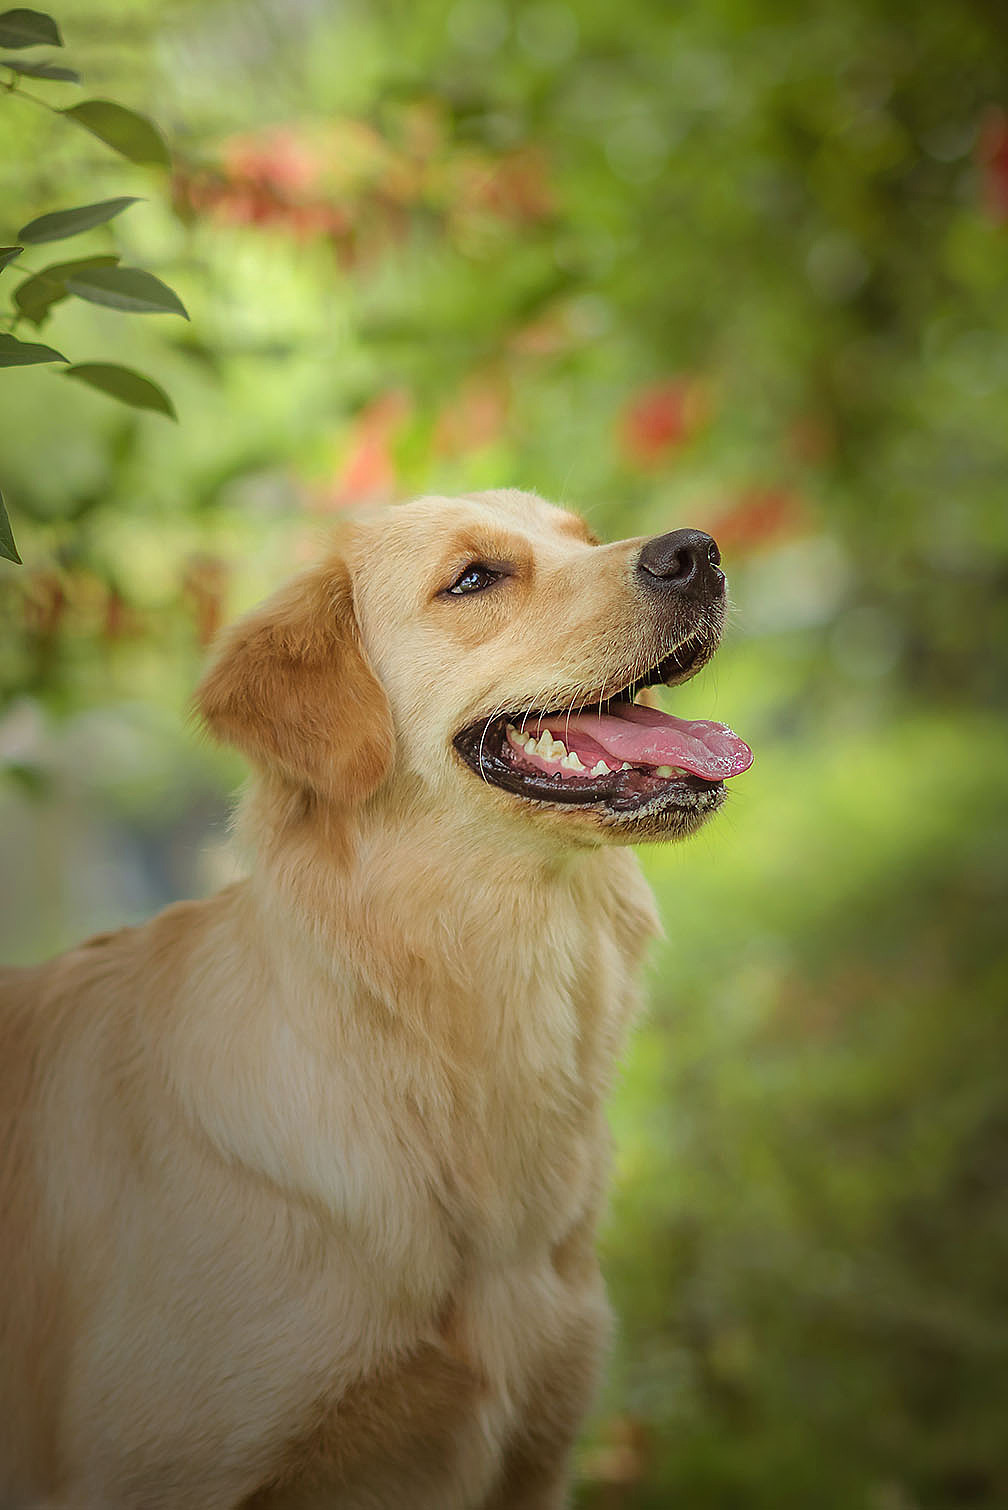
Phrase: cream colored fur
(299,1184)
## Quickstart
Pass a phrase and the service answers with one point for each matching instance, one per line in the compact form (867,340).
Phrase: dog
(299,1183)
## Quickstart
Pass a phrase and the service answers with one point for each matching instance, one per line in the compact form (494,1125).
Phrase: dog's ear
(291,686)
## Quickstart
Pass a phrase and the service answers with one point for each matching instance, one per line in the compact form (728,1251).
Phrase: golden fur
(299,1184)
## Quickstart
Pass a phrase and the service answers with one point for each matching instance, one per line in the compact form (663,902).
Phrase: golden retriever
(299,1184)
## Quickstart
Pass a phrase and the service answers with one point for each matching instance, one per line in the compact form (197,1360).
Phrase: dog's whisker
(486,730)
(541,701)
(576,701)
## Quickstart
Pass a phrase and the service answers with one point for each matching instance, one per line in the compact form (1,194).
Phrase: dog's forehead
(527,511)
(429,524)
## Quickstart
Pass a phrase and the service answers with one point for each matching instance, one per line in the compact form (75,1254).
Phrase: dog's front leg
(524,1488)
(535,1473)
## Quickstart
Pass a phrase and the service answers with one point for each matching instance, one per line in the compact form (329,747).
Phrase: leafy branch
(98,279)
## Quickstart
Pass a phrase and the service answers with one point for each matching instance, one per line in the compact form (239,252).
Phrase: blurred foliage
(738,265)
(98,279)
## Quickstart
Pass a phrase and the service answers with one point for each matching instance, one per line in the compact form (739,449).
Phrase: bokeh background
(736,265)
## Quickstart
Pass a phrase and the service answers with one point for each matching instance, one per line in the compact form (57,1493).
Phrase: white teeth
(550,748)
(546,747)
(556,752)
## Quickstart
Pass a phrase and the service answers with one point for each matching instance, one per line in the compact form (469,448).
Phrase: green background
(730,265)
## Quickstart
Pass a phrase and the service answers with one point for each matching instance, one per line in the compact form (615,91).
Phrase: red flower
(759,517)
(660,418)
(992,151)
(369,469)
(274,159)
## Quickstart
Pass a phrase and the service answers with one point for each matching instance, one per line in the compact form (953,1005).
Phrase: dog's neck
(365,885)
(480,998)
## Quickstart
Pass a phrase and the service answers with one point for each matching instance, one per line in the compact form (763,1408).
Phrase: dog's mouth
(612,752)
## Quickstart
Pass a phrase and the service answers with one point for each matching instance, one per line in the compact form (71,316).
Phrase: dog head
(487,655)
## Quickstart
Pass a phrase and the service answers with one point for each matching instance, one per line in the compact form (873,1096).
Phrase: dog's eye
(475,578)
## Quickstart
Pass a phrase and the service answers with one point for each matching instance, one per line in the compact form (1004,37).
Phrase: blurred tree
(737,256)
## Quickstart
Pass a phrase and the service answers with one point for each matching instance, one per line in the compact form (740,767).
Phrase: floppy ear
(292,687)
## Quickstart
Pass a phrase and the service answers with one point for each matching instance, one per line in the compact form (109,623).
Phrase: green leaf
(28,28)
(125,384)
(15,353)
(41,70)
(132,136)
(59,224)
(37,294)
(126,288)
(8,253)
(7,547)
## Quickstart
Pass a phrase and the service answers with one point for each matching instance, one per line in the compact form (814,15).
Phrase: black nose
(685,561)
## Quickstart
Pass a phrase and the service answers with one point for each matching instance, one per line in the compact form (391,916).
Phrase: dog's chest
(518,1166)
(524,1146)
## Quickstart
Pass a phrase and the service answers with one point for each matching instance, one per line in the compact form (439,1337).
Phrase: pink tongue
(643,736)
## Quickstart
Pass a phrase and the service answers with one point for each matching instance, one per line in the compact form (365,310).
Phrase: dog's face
(488,652)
